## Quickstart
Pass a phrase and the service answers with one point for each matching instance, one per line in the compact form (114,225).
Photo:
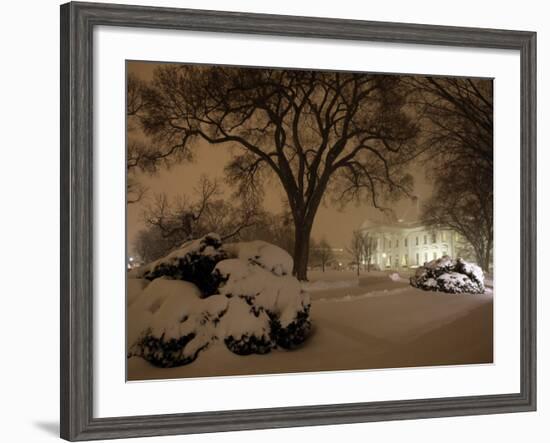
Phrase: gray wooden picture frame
(77,24)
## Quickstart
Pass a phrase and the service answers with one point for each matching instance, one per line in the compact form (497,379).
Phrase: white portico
(404,244)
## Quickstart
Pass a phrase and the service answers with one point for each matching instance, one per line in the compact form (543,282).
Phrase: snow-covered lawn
(329,284)
(374,321)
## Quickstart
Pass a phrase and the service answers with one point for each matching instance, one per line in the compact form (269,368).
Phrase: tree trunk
(303,216)
(301,250)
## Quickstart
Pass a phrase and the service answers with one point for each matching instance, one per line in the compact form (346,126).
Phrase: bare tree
(457,127)
(183,219)
(369,248)
(462,202)
(457,121)
(314,131)
(356,249)
(143,154)
(134,96)
(321,253)
(150,244)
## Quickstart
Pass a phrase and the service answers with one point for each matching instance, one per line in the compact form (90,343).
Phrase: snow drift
(241,293)
(447,275)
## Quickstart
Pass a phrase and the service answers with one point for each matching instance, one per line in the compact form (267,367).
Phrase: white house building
(405,245)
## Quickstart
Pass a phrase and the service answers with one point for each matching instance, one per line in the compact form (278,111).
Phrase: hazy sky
(332,223)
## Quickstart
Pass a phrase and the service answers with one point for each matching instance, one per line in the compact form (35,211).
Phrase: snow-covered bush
(169,323)
(270,297)
(192,262)
(266,255)
(241,294)
(295,332)
(447,275)
(246,328)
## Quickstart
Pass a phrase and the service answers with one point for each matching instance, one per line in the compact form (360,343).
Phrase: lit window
(443,236)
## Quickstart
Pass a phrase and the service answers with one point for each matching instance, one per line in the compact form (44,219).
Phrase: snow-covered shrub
(192,262)
(295,332)
(196,295)
(447,275)
(394,276)
(246,328)
(271,297)
(169,323)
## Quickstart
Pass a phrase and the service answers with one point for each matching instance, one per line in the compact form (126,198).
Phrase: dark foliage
(248,344)
(166,353)
(295,333)
(195,267)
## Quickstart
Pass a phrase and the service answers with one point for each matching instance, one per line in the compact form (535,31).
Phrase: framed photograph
(273,221)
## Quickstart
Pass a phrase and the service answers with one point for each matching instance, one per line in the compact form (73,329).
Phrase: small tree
(321,253)
(356,249)
(369,247)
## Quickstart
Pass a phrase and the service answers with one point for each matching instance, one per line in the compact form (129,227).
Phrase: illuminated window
(443,236)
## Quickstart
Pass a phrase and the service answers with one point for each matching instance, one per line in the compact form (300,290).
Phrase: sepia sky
(331,222)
